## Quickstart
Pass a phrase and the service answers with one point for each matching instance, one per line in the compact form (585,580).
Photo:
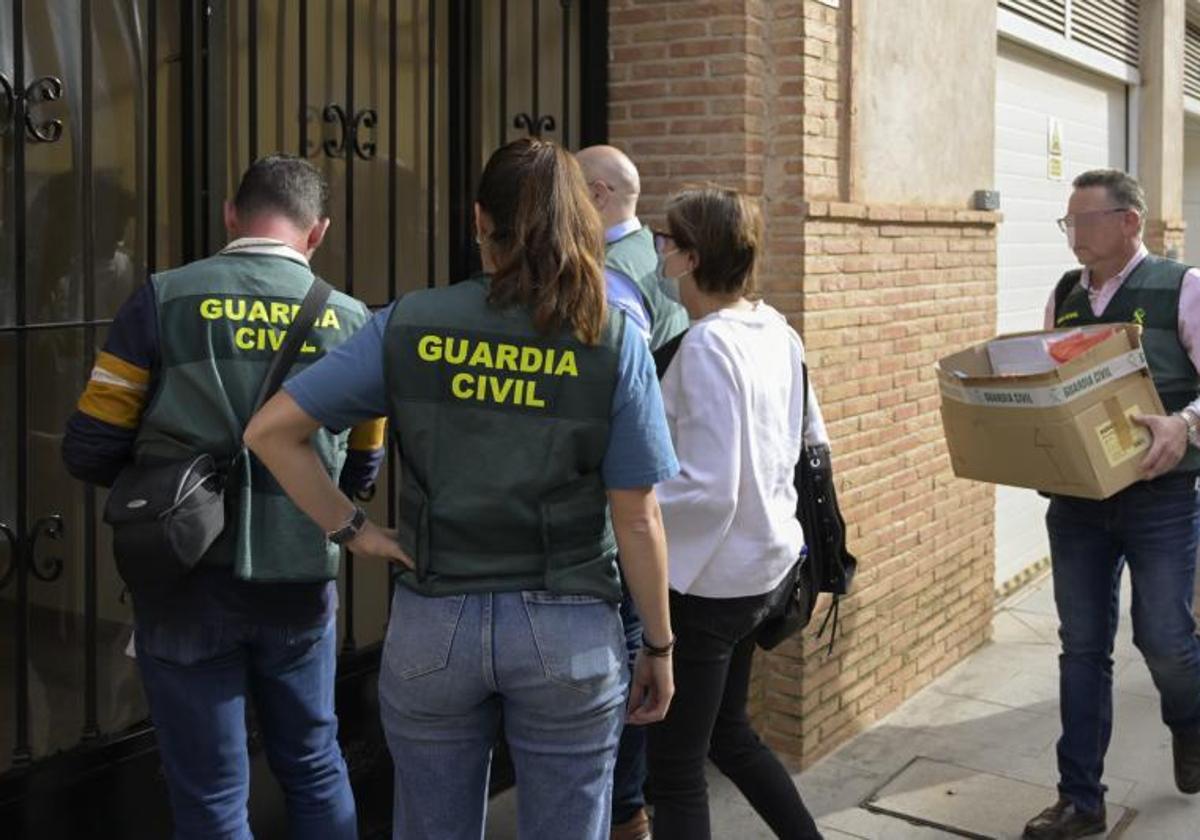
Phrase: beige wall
(1191,189)
(1160,165)
(924,76)
(1160,157)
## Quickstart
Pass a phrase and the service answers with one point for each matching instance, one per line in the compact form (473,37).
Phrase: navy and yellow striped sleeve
(364,457)
(100,434)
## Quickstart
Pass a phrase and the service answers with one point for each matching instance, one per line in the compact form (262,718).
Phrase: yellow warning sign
(1054,138)
(1054,168)
(1110,439)
(1054,149)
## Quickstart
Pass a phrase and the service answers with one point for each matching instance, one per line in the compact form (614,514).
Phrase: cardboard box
(1062,431)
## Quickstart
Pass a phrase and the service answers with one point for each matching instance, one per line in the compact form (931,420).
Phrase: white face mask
(669,285)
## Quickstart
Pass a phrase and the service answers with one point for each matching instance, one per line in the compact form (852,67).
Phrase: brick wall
(686,92)
(754,95)
(886,292)
(1161,236)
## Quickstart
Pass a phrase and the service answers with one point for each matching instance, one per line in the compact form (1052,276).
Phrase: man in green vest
(630,261)
(1151,527)
(178,375)
(631,285)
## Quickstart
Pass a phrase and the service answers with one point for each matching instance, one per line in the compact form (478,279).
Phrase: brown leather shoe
(1063,821)
(637,828)
(1185,748)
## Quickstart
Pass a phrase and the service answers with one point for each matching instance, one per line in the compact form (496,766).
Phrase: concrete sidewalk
(974,752)
(988,729)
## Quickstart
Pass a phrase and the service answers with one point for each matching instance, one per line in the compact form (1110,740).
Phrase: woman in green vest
(530,432)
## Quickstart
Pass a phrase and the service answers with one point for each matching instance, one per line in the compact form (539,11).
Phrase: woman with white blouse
(735,404)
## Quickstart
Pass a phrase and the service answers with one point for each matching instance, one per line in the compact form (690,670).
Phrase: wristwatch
(1192,419)
(350,530)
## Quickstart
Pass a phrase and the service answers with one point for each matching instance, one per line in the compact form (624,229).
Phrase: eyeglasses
(1068,222)
(662,241)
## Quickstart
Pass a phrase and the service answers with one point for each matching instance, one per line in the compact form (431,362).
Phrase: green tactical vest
(220,321)
(501,434)
(633,256)
(1149,297)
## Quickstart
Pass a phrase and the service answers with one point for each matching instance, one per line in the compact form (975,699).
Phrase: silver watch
(1192,419)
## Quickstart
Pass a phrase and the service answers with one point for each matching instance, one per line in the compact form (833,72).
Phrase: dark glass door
(78,232)
(124,126)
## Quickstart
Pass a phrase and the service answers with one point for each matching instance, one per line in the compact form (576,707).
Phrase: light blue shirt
(621,291)
(347,386)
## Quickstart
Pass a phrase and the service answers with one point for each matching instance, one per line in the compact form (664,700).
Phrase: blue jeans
(1152,528)
(198,677)
(629,775)
(551,667)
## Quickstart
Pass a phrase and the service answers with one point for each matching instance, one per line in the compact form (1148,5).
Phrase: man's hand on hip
(1169,442)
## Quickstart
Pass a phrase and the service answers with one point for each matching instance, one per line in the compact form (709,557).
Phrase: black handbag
(824,564)
(166,515)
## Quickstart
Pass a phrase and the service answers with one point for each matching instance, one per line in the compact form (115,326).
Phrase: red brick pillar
(753,94)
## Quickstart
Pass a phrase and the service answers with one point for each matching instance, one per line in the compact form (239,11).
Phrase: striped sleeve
(369,435)
(367,447)
(100,434)
(116,391)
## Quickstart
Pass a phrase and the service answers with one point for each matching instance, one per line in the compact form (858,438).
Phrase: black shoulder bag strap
(825,529)
(665,354)
(297,334)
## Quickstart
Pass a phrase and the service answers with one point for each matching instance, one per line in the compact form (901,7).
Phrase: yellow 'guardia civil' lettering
(497,389)
(522,359)
(275,313)
(264,338)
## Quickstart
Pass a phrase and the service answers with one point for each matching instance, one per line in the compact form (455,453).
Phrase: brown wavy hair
(547,240)
(723,228)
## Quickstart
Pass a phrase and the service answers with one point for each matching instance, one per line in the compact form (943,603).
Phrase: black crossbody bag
(825,565)
(165,516)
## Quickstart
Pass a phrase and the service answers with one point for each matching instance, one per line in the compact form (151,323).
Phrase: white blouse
(735,410)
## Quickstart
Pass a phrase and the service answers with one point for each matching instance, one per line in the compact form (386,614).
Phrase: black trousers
(708,719)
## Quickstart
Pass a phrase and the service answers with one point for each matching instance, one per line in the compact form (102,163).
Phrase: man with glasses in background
(1151,526)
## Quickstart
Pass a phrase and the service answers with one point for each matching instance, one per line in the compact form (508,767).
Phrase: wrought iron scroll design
(51,568)
(45,89)
(13,555)
(48,569)
(367,119)
(348,135)
(335,146)
(9,100)
(534,126)
(18,108)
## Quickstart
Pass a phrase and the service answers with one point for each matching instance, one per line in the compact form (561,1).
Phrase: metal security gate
(124,125)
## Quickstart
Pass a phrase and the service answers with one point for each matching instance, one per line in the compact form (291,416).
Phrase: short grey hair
(283,185)
(1122,188)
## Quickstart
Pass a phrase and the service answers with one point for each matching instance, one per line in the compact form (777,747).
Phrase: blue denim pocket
(420,632)
(184,643)
(578,637)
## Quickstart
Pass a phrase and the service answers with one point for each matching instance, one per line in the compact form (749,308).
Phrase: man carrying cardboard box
(1151,526)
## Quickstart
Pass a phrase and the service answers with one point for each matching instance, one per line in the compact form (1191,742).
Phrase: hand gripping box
(1065,430)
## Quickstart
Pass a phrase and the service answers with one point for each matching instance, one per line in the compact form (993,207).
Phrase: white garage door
(1033,89)
(1191,190)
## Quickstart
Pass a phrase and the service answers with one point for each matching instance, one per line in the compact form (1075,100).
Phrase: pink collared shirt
(1189,305)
